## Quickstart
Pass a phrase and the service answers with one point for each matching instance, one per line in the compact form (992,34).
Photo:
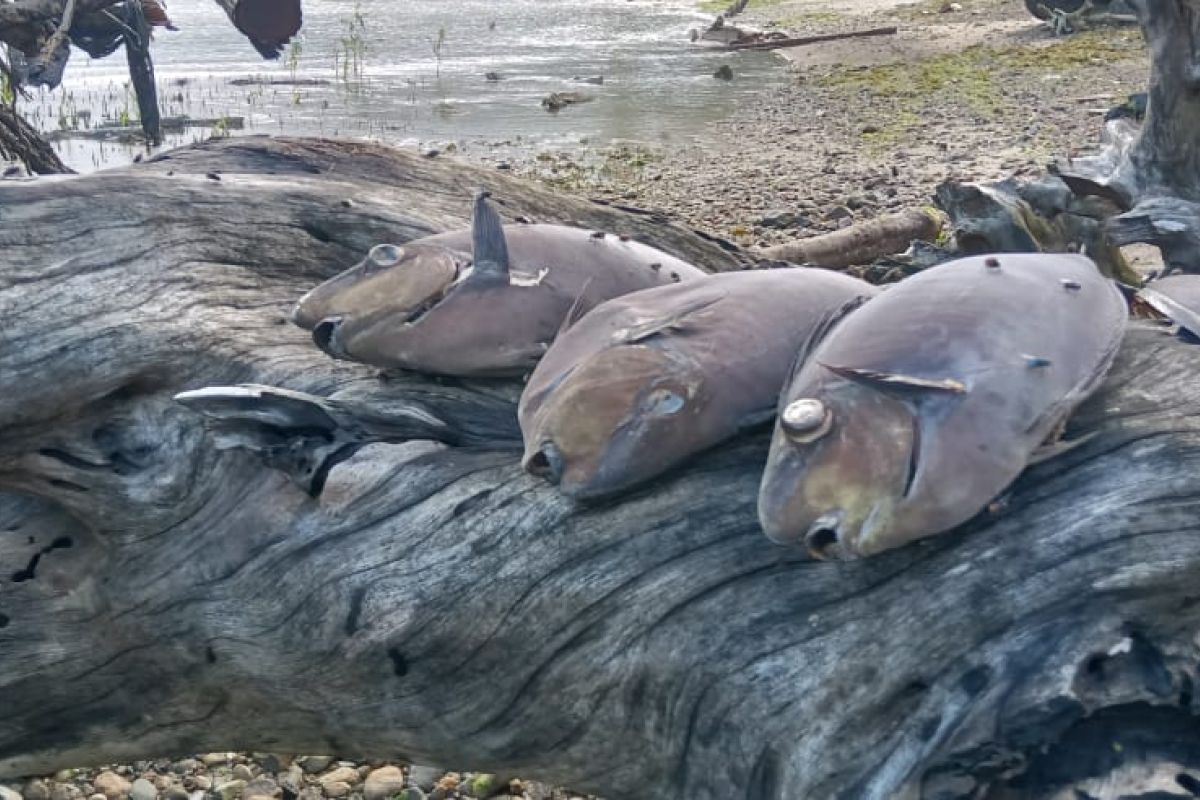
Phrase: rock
(64,775)
(724,73)
(66,791)
(143,789)
(335,788)
(111,785)
(249,796)
(36,790)
(194,783)
(292,781)
(311,793)
(382,783)
(482,785)
(175,792)
(424,777)
(243,773)
(556,101)
(314,764)
(9,794)
(781,218)
(493,76)
(184,766)
(230,790)
(341,775)
(411,793)
(97,797)
(215,759)
(262,786)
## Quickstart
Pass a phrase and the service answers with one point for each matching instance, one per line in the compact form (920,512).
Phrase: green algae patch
(980,81)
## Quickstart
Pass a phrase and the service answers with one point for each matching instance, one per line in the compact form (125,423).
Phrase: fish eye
(806,420)
(385,255)
(664,402)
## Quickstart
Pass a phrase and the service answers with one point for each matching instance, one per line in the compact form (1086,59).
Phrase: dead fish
(482,302)
(648,379)
(1178,299)
(921,407)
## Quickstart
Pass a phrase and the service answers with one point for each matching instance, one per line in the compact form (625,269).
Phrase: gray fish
(483,302)
(919,408)
(648,379)
(1177,298)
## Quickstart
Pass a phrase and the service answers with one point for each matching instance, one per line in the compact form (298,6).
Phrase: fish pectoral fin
(575,312)
(675,319)
(488,246)
(756,418)
(1053,449)
(894,381)
(820,330)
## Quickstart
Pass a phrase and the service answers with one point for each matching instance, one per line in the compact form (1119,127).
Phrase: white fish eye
(385,255)
(806,420)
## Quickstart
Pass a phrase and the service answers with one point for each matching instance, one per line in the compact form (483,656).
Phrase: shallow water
(380,77)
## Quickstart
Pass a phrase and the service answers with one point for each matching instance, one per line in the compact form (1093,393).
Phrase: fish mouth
(546,462)
(823,539)
(324,335)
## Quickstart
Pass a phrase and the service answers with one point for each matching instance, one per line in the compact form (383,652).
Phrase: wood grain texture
(160,596)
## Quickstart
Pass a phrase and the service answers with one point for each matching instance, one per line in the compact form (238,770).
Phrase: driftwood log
(160,596)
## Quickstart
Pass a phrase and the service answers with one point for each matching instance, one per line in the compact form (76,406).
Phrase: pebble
(292,781)
(111,785)
(230,790)
(243,773)
(262,786)
(347,775)
(175,792)
(335,788)
(9,794)
(424,777)
(314,764)
(36,790)
(215,759)
(382,783)
(143,789)
(66,791)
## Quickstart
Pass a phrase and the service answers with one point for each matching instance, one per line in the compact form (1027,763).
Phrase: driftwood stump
(160,596)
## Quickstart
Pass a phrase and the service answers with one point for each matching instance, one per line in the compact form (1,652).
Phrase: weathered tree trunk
(141,71)
(1152,174)
(20,142)
(159,596)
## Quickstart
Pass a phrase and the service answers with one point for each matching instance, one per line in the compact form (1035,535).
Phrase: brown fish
(922,406)
(483,302)
(646,380)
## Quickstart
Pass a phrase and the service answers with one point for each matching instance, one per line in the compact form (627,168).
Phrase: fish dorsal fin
(488,247)
(575,311)
(828,321)
(891,381)
(673,319)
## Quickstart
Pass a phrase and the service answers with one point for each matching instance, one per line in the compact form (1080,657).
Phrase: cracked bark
(158,595)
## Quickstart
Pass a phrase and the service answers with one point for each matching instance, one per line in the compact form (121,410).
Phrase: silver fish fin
(671,320)
(575,312)
(756,419)
(892,381)
(820,330)
(489,249)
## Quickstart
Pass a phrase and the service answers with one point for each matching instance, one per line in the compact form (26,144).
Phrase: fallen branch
(861,243)
(772,44)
